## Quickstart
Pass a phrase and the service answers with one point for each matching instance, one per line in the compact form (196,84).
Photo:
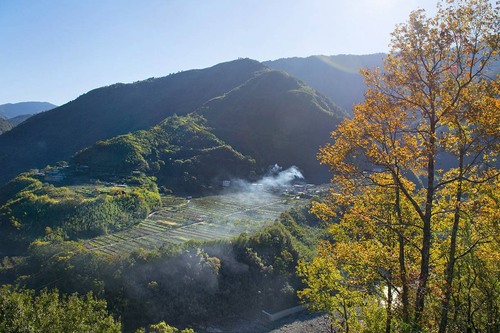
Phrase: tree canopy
(23,311)
(414,171)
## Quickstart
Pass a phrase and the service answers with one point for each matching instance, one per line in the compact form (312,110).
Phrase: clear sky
(56,50)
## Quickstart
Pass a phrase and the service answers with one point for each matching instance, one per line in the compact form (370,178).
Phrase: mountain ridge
(273,118)
(296,121)
(11,110)
(337,77)
(273,100)
(105,112)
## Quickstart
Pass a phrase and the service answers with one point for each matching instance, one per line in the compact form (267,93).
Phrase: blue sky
(56,50)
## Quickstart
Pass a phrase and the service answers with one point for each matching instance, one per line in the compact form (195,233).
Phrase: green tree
(162,327)
(24,311)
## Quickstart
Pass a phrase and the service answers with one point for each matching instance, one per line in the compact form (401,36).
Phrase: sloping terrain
(110,111)
(180,152)
(336,76)
(19,119)
(275,118)
(265,114)
(203,219)
(5,125)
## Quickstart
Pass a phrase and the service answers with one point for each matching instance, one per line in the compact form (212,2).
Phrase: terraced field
(205,218)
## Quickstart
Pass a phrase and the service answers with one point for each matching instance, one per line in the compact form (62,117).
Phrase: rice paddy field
(202,219)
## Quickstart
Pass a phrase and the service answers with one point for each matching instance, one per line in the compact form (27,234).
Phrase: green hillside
(32,206)
(275,118)
(180,152)
(106,112)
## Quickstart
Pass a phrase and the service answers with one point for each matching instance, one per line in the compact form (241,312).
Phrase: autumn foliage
(415,185)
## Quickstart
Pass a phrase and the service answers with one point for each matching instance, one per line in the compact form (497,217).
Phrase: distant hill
(12,110)
(18,119)
(336,76)
(265,114)
(5,125)
(110,111)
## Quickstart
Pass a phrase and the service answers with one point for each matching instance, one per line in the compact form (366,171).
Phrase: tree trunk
(346,318)
(426,229)
(402,264)
(388,320)
(449,271)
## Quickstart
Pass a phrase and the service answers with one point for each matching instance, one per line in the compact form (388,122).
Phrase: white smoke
(277,177)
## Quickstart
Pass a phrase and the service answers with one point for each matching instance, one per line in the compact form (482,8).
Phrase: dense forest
(30,208)
(180,152)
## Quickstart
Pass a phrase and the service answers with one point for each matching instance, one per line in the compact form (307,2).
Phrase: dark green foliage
(114,110)
(275,119)
(305,228)
(66,265)
(23,182)
(180,152)
(116,156)
(163,327)
(203,283)
(24,311)
(30,208)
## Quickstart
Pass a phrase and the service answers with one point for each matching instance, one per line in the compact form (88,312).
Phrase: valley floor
(201,219)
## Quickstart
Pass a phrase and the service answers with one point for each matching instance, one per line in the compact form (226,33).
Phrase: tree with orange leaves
(424,142)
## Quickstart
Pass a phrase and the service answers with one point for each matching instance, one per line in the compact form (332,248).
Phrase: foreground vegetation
(417,247)
(24,311)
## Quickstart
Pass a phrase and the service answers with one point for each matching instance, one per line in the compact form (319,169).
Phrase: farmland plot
(206,218)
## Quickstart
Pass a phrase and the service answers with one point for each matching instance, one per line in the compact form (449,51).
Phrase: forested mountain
(180,152)
(275,118)
(335,76)
(11,110)
(286,119)
(118,109)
